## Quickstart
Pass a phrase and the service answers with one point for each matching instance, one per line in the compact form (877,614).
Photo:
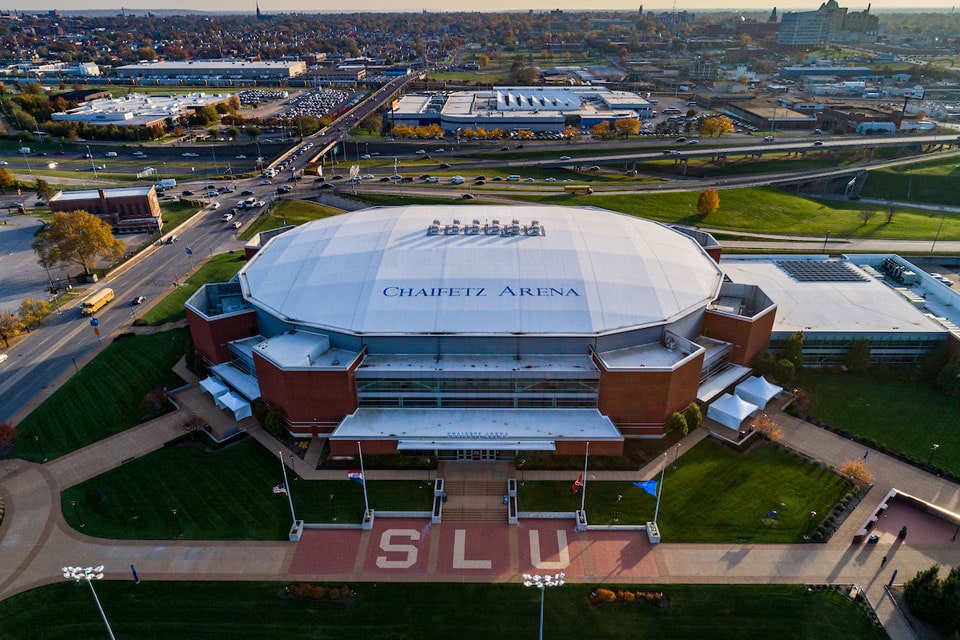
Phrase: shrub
(677,424)
(767,427)
(628,596)
(784,371)
(857,471)
(763,363)
(693,415)
(7,432)
(605,595)
(274,423)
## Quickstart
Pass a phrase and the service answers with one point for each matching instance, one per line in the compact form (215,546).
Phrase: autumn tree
(857,471)
(77,237)
(483,60)
(32,311)
(708,202)
(601,130)
(6,179)
(716,126)
(627,127)
(7,433)
(10,326)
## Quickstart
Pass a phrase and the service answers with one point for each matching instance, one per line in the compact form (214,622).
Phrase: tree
(43,189)
(77,237)
(627,126)
(6,179)
(253,131)
(793,351)
(922,594)
(708,202)
(601,130)
(10,326)
(483,60)
(763,363)
(767,427)
(693,416)
(677,424)
(857,471)
(233,133)
(858,357)
(890,212)
(866,215)
(716,126)
(33,311)
(784,371)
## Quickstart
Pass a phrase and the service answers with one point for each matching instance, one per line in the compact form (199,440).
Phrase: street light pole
(36,438)
(825,241)
(90,574)
(933,450)
(542,582)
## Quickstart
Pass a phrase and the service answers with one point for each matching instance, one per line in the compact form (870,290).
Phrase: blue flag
(650,486)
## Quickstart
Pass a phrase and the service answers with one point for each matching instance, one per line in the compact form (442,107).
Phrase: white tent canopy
(240,407)
(757,391)
(213,386)
(731,411)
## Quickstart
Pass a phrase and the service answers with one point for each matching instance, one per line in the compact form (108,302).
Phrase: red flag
(578,483)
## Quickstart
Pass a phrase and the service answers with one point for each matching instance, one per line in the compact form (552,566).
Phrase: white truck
(25,150)
(167,183)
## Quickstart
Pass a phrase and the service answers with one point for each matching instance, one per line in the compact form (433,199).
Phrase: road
(39,360)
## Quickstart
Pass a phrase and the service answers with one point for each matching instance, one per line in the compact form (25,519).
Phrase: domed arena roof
(413,270)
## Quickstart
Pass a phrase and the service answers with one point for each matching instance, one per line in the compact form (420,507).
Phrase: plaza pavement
(35,541)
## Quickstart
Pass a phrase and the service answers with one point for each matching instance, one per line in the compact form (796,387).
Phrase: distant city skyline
(401,6)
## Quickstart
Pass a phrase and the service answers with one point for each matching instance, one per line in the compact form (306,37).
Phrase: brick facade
(210,337)
(749,336)
(124,211)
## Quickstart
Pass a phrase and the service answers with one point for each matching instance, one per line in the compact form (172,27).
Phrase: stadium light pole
(89,574)
(542,582)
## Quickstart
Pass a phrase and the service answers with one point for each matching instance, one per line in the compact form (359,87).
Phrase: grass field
(907,416)
(176,213)
(765,210)
(934,182)
(416,611)
(104,398)
(222,495)
(219,268)
(716,494)
(288,212)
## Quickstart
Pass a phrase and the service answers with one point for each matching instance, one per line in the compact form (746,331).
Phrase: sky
(293,6)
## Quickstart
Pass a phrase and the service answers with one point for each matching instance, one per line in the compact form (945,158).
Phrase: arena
(519,328)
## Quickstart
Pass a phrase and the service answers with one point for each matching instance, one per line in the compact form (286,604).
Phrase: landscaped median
(422,611)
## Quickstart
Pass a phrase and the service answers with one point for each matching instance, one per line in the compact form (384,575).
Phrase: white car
(550,179)
(564,157)
(368,176)
(365,156)
(215,205)
(3,163)
(227,217)
(421,152)
(110,154)
(266,182)
(189,154)
(3,357)
(241,157)
(237,224)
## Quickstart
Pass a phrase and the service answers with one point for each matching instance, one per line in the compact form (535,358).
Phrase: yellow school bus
(577,188)
(95,302)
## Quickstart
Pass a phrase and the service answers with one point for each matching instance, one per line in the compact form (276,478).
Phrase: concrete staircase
(475,501)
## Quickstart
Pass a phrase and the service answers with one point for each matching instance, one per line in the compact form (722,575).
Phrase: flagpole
(656,511)
(583,489)
(286,485)
(363,482)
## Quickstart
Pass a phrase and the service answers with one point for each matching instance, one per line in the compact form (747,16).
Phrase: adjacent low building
(126,210)
(520,108)
(214,69)
(524,328)
(139,110)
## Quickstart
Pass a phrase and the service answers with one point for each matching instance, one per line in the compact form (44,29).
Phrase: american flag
(280,488)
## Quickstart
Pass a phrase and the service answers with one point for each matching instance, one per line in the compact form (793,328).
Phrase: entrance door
(477,454)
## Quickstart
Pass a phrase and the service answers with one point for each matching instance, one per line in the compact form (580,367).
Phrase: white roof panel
(379,272)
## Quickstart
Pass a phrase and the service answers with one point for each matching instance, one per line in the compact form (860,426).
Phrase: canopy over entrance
(731,411)
(757,391)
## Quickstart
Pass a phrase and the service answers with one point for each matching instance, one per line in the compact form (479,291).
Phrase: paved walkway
(35,541)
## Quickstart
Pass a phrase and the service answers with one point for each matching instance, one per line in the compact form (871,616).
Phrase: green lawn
(422,611)
(104,398)
(906,415)
(716,494)
(288,212)
(219,268)
(221,495)
(176,213)
(933,182)
(767,210)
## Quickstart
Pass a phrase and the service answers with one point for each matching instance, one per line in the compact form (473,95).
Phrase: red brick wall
(748,337)
(953,344)
(114,210)
(647,398)
(371,447)
(307,397)
(575,448)
(210,337)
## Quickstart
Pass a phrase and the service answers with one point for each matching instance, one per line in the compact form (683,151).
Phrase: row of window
(478,385)
(467,402)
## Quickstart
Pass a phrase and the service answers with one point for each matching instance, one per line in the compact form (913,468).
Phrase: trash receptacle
(506,499)
(443,496)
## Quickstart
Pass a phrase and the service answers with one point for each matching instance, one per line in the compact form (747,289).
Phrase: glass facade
(831,349)
(505,392)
